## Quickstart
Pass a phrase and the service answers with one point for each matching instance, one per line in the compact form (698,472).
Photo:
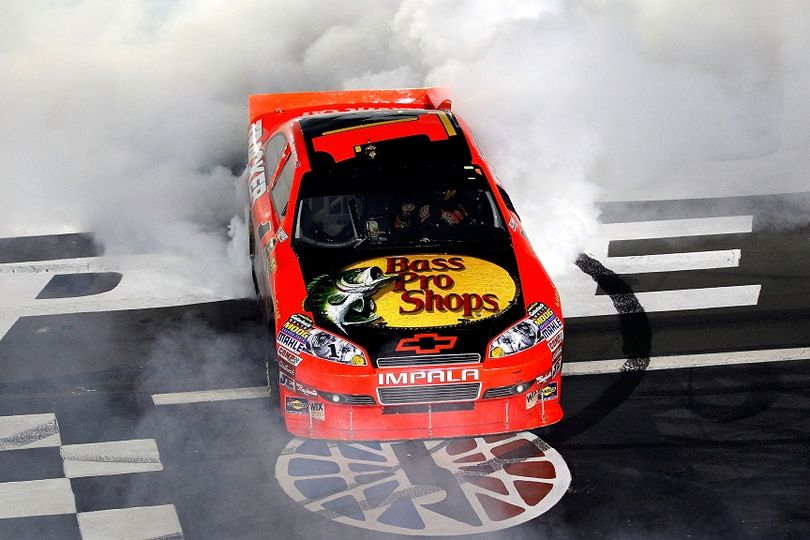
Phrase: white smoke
(129,118)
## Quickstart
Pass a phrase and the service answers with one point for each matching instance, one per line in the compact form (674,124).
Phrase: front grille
(428,360)
(501,391)
(359,400)
(429,394)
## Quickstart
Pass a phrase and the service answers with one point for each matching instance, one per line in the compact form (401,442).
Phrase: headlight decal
(330,347)
(299,334)
(541,325)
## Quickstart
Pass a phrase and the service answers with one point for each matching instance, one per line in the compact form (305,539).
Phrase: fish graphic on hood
(346,300)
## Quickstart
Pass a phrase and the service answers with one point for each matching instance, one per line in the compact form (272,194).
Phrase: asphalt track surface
(715,451)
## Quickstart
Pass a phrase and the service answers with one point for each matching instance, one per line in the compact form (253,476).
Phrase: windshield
(400,218)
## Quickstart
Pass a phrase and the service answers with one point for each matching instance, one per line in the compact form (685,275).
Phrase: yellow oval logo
(428,290)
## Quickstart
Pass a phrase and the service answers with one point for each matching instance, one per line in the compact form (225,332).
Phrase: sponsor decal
(425,488)
(426,343)
(544,319)
(305,389)
(316,410)
(549,392)
(347,109)
(541,324)
(286,368)
(286,381)
(531,399)
(296,405)
(281,235)
(293,335)
(545,393)
(428,376)
(555,341)
(257,179)
(429,290)
(271,244)
(288,356)
(298,334)
(550,327)
(264,228)
(512,223)
(272,264)
(556,366)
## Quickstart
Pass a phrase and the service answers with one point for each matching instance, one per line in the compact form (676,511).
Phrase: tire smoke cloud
(129,119)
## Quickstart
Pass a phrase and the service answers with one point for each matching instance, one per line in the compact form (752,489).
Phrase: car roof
(383,137)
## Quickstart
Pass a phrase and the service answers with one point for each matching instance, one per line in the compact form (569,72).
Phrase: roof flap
(275,109)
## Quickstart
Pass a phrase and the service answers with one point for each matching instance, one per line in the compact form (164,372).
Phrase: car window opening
(393,212)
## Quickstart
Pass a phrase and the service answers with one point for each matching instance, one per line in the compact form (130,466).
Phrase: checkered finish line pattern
(37,484)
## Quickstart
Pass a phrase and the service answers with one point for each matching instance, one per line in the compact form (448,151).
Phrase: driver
(449,209)
(406,218)
(445,208)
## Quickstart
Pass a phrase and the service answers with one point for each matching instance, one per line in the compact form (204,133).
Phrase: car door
(265,216)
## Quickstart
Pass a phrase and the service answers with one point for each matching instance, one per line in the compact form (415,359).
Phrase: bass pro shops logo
(426,290)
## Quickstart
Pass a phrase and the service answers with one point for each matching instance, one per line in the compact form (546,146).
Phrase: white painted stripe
(674,262)
(225,394)
(711,297)
(90,264)
(691,361)
(665,228)
(149,281)
(29,431)
(659,301)
(38,229)
(112,457)
(136,523)
(578,289)
(36,498)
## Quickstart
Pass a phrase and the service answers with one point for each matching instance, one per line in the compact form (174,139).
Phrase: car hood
(420,302)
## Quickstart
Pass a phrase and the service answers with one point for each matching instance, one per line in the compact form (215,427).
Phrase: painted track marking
(150,281)
(578,291)
(36,498)
(595,367)
(436,488)
(225,394)
(131,523)
(674,300)
(29,431)
(675,262)
(592,367)
(112,457)
(665,228)
(32,499)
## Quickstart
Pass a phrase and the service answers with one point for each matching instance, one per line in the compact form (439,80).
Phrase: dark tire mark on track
(636,344)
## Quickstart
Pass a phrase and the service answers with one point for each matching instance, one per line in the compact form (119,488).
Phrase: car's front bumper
(318,417)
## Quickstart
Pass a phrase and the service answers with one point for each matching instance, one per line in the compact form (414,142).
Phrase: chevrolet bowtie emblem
(426,343)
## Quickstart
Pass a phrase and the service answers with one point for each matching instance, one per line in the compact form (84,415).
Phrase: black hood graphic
(415,302)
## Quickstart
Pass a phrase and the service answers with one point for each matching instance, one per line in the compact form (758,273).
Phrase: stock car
(394,273)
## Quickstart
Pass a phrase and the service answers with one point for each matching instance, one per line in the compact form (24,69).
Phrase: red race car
(406,300)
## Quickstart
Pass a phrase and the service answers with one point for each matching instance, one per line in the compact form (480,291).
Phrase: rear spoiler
(275,109)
